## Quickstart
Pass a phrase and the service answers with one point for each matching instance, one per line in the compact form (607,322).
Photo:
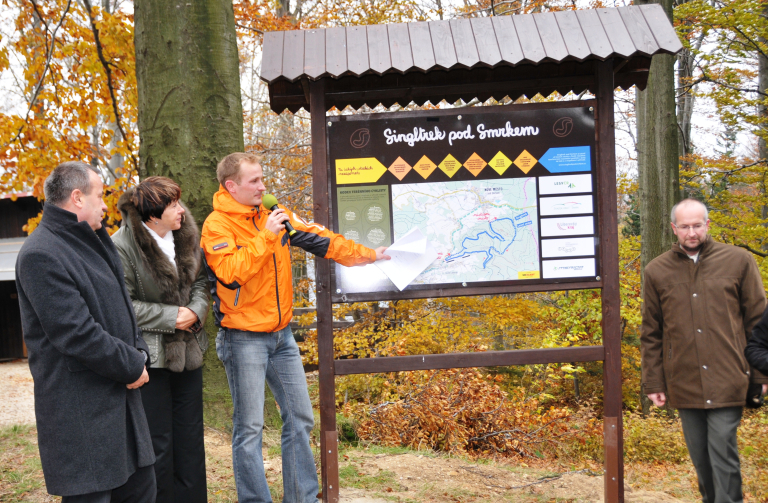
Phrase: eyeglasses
(686,228)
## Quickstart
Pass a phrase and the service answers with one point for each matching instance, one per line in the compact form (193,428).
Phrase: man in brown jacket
(700,302)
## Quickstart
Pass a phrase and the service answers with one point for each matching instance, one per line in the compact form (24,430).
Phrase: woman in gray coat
(159,245)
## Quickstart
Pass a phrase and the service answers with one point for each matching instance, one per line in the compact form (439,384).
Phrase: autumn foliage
(463,411)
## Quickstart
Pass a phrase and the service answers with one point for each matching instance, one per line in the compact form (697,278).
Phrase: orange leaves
(462,412)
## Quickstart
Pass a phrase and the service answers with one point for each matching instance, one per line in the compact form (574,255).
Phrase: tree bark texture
(685,92)
(190,113)
(657,158)
(762,110)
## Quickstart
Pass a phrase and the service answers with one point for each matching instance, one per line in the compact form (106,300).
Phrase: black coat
(82,341)
(757,347)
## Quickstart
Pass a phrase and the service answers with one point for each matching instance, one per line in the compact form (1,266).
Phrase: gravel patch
(17,399)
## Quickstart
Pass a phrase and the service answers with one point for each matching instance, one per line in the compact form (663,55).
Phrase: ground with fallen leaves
(369,474)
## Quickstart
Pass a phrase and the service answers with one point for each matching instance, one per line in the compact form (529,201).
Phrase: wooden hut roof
(438,60)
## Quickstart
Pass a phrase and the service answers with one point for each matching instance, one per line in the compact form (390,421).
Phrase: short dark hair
(65,179)
(229,167)
(154,195)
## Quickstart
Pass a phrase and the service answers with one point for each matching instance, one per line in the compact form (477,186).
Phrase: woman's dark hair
(154,195)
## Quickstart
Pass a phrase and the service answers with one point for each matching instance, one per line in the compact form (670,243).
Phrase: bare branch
(260,32)
(749,248)
(108,71)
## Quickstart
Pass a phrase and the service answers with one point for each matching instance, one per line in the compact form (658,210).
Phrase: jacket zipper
(277,292)
(237,294)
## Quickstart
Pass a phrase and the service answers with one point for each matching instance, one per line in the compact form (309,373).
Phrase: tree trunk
(762,110)
(657,158)
(190,113)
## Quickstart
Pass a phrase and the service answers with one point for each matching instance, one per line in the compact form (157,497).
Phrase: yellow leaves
(4,61)
(71,115)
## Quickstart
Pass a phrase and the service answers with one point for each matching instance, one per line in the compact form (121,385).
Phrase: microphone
(270,201)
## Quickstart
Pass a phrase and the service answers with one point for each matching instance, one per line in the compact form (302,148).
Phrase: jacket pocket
(202,340)
(75,366)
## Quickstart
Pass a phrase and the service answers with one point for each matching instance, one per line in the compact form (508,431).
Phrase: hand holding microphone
(278,215)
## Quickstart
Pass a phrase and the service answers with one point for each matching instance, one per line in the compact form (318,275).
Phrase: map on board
(482,230)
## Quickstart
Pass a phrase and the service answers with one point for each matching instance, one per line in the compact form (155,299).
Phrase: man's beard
(692,251)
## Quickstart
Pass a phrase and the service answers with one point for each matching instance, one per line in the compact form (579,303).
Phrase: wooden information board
(505,195)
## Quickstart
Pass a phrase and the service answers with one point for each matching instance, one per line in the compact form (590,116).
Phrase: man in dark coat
(86,354)
(700,302)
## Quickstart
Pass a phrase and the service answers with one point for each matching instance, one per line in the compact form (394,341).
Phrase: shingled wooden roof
(441,59)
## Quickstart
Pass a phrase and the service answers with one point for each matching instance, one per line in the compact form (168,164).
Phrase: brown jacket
(697,318)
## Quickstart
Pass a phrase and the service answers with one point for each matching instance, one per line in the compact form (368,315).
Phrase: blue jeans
(249,358)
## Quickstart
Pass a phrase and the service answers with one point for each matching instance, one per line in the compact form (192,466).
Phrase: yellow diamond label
(500,163)
(525,162)
(425,167)
(450,165)
(400,168)
(363,170)
(475,164)
(528,275)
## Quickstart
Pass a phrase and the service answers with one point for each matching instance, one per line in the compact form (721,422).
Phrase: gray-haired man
(85,350)
(700,302)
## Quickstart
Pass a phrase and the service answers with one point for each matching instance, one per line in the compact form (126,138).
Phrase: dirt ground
(372,476)
(17,401)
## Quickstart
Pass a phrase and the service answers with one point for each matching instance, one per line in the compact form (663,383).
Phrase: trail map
(484,230)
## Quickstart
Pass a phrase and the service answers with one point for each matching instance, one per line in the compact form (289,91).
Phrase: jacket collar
(225,203)
(65,223)
(56,218)
(705,248)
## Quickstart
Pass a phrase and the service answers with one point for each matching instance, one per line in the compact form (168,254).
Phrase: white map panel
(567,226)
(565,184)
(568,205)
(484,230)
(569,247)
(574,268)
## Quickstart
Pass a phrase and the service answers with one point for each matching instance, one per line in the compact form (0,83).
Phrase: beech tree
(190,112)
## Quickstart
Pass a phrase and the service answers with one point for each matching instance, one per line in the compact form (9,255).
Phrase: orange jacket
(251,267)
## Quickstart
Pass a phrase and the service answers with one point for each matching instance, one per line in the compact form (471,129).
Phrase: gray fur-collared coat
(83,342)
(157,288)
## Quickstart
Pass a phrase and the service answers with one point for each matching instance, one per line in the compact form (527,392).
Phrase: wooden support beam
(328,454)
(465,360)
(433,293)
(611,300)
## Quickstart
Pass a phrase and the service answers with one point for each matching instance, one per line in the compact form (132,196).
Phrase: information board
(504,194)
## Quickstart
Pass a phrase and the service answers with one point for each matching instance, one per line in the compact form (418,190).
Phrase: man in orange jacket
(249,261)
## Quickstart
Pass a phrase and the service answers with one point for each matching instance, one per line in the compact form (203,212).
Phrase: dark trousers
(710,435)
(140,488)
(173,402)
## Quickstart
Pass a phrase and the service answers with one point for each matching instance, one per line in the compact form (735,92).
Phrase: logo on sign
(360,138)
(569,206)
(563,127)
(566,226)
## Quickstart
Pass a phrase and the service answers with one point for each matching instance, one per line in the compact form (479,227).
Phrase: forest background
(70,92)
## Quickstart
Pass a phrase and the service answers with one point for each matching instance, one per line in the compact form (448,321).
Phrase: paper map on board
(411,254)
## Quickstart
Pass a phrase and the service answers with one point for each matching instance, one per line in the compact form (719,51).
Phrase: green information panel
(364,215)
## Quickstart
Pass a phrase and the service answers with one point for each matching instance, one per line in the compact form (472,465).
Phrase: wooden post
(611,302)
(329,459)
